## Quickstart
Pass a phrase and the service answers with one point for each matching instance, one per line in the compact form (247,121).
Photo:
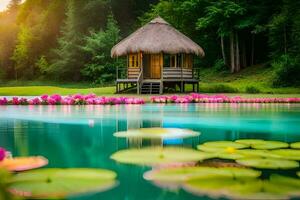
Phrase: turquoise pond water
(82,136)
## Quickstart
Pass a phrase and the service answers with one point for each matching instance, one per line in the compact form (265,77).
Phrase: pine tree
(101,67)
(69,56)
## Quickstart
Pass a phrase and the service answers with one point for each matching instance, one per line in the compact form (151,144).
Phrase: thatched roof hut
(158,36)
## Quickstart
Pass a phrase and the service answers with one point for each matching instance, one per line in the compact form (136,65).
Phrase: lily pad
(285,180)
(188,173)
(235,188)
(257,153)
(60,183)
(295,145)
(218,146)
(250,141)
(290,154)
(18,164)
(157,133)
(159,155)
(268,163)
(270,145)
(226,187)
(229,156)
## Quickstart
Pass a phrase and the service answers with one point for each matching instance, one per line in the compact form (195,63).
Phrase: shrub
(287,69)
(219,65)
(252,90)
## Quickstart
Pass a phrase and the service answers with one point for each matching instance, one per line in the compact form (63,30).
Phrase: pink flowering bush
(92,99)
(220,98)
(78,99)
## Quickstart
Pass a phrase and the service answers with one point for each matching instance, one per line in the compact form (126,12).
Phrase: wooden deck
(171,77)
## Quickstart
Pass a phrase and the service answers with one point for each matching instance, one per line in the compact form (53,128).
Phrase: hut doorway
(152,66)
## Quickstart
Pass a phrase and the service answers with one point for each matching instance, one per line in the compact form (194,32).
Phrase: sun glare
(4,3)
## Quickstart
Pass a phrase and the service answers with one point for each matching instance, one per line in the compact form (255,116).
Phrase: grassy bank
(255,79)
(39,90)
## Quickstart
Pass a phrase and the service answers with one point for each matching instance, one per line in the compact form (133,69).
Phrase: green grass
(259,77)
(255,79)
(39,90)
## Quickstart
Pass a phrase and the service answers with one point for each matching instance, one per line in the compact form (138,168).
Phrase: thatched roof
(158,36)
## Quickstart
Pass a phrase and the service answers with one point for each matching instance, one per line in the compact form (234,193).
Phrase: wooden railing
(127,73)
(196,73)
(140,81)
(180,73)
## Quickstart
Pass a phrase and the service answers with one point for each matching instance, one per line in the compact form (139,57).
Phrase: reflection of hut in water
(155,136)
(135,118)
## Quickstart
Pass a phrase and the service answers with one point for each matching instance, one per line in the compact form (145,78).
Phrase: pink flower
(15,101)
(51,101)
(44,97)
(90,96)
(56,97)
(90,101)
(3,101)
(2,153)
(35,101)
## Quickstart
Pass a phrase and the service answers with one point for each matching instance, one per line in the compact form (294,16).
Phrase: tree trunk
(237,52)
(244,53)
(232,59)
(285,40)
(223,50)
(252,49)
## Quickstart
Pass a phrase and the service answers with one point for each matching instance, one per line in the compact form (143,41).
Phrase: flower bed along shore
(203,98)
(78,99)
(92,99)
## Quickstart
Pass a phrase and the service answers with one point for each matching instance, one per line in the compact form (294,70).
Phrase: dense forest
(71,40)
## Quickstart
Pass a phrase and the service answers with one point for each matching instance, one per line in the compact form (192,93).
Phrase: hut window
(179,60)
(173,60)
(167,60)
(188,61)
(133,60)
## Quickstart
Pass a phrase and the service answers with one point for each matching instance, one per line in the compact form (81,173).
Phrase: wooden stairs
(151,87)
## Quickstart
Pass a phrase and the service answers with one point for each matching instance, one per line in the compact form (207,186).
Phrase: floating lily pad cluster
(177,167)
(256,153)
(236,183)
(49,183)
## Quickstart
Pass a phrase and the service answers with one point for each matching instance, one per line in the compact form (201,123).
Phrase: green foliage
(42,64)
(252,90)
(101,67)
(21,54)
(70,57)
(224,16)
(287,69)
(219,65)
